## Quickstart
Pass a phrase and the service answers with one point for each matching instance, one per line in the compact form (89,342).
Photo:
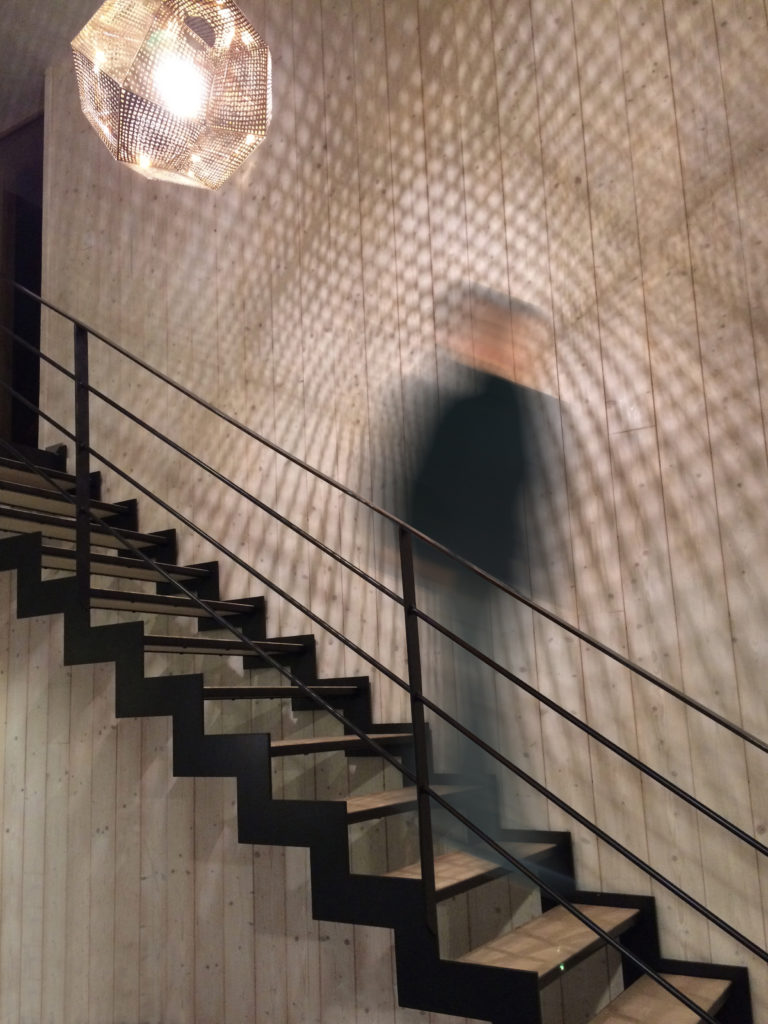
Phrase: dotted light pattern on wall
(180,90)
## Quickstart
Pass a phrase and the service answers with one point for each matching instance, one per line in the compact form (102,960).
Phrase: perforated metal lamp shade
(178,89)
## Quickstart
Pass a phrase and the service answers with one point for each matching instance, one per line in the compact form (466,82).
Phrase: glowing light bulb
(177,89)
(180,85)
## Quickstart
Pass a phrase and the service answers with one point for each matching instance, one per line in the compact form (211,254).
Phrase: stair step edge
(645,1002)
(135,601)
(42,521)
(454,872)
(460,870)
(319,744)
(13,493)
(552,942)
(201,645)
(389,801)
(126,566)
(11,470)
(274,692)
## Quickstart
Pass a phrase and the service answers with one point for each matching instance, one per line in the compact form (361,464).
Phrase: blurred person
(468,493)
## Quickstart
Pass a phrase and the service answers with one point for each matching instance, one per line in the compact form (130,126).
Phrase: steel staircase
(80,557)
(485,982)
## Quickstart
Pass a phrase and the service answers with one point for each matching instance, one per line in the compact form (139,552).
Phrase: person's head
(498,334)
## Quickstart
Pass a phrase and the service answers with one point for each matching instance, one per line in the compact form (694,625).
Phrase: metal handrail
(84,451)
(594,734)
(201,603)
(409,605)
(426,791)
(575,631)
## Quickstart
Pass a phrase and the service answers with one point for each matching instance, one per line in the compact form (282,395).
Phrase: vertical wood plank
(729,377)
(56,832)
(271,930)
(671,332)
(742,35)
(379,269)
(154,867)
(240,896)
(13,821)
(576,331)
(128,870)
(102,924)
(34,821)
(180,921)
(209,900)
(77,993)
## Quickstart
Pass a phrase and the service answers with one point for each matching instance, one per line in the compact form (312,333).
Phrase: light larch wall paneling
(604,161)
(735,428)
(652,633)
(569,762)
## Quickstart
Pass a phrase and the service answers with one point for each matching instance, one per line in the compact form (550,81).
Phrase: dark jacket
(467,491)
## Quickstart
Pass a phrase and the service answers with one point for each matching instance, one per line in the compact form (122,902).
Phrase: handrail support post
(82,467)
(426,846)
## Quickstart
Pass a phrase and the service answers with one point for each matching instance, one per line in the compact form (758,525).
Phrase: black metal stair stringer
(425,981)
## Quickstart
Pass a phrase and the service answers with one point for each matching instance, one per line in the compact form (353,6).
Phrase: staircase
(500,971)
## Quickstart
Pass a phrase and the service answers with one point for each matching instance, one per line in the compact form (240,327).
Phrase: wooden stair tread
(553,941)
(319,744)
(461,869)
(374,805)
(165,604)
(389,801)
(275,692)
(14,520)
(111,565)
(48,499)
(645,1002)
(203,645)
(13,471)
(453,869)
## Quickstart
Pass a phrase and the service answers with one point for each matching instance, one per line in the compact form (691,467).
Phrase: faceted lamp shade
(179,89)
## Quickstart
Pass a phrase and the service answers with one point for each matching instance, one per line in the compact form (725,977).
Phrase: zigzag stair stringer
(424,980)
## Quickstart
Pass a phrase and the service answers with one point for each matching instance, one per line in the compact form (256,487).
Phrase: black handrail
(411,610)
(572,719)
(487,577)
(201,603)
(283,520)
(417,697)
(425,791)
(594,734)
(495,666)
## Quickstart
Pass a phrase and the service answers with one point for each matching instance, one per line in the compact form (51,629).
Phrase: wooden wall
(603,160)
